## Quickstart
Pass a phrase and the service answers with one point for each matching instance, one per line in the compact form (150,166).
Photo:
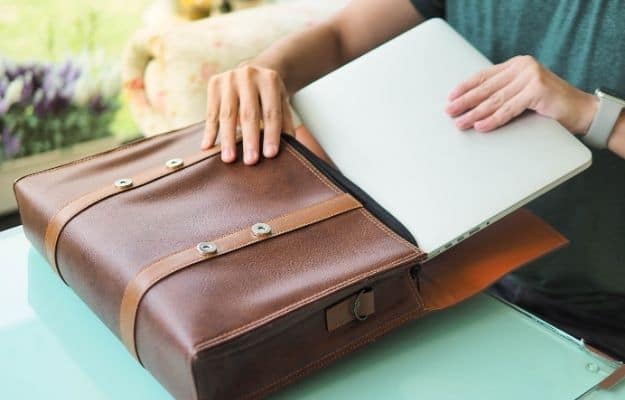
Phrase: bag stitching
(185,130)
(415,253)
(164,135)
(144,140)
(177,268)
(314,171)
(413,289)
(242,228)
(167,173)
(62,228)
(391,233)
(333,356)
(388,231)
(207,343)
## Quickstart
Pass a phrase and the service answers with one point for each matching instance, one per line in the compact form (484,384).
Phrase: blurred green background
(55,29)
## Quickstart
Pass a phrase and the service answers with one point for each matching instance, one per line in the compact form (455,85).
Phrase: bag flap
(476,263)
(254,243)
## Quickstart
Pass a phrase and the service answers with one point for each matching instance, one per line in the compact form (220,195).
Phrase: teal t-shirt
(583,41)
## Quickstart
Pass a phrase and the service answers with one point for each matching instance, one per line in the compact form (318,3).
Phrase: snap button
(261,229)
(174,163)
(123,183)
(206,248)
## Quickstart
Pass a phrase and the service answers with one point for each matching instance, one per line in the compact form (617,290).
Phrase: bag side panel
(299,344)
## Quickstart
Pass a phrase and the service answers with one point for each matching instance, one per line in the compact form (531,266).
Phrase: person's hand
(246,96)
(498,94)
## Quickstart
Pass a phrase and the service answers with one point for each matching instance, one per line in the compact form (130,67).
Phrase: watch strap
(603,123)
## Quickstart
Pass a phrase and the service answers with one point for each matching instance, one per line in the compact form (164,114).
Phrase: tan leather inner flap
(476,263)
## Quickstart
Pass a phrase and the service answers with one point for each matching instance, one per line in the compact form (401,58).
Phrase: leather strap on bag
(67,213)
(152,274)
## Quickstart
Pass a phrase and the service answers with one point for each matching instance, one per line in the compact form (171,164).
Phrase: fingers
(212,114)
(509,110)
(489,105)
(476,80)
(496,95)
(249,117)
(271,144)
(287,118)
(246,96)
(271,102)
(479,93)
(228,112)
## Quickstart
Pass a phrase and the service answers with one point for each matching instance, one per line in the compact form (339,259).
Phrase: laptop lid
(381,119)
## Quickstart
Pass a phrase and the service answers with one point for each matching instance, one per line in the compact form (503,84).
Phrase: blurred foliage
(73,125)
(46,106)
(53,30)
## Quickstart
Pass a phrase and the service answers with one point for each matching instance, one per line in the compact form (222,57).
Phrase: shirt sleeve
(430,8)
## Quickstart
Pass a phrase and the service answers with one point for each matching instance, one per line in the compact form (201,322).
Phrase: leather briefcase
(227,281)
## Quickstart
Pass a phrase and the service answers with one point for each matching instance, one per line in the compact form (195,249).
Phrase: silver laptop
(381,120)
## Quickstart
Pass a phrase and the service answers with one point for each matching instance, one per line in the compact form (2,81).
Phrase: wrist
(586,113)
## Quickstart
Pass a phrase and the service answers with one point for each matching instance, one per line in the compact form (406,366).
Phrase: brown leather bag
(227,281)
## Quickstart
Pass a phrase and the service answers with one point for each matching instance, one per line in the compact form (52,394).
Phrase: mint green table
(53,347)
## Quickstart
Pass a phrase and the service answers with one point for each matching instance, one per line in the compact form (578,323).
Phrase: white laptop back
(381,119)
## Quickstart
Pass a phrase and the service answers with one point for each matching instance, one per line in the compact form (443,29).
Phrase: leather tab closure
(154,273)
(354,308)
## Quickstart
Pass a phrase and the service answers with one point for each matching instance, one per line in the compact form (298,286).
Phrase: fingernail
(462,125)
(479,126)
(270,150)
(227,154)
(250,156)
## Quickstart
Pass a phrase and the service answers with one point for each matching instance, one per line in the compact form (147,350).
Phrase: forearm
(359,27)
(617,140)
(258,90)
(304,56)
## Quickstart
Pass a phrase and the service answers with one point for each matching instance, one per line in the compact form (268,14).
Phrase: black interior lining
(340,180)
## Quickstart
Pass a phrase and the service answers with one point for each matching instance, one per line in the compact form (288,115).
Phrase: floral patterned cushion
(165,70)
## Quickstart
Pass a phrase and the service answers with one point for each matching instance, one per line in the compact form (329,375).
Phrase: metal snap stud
(206,248)
(261,229)
(356,308)
(174,163)
(123,183)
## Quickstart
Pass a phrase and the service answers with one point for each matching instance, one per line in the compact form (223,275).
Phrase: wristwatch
(608,111)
